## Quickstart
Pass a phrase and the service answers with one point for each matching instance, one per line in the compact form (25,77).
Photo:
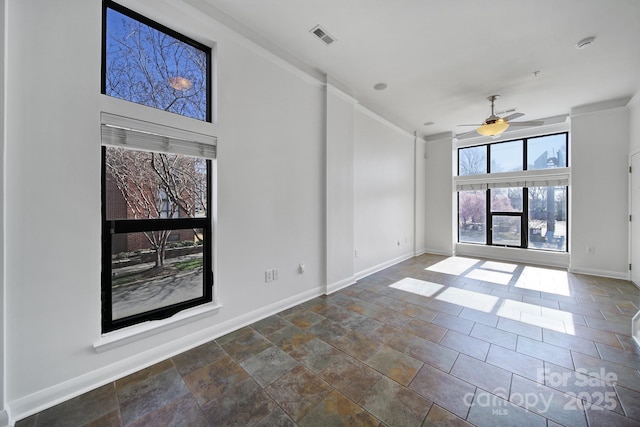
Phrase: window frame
(110,4)
(517,176)
(111,227)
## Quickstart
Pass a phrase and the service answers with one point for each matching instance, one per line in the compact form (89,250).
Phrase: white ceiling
(442,58)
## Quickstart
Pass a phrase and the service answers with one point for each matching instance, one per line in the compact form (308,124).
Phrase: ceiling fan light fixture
(493,129)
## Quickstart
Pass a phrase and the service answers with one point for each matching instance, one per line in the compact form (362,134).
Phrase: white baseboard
(340,284)
(437,252)
(635,328)
(43,399)
(600,273)
(382,266)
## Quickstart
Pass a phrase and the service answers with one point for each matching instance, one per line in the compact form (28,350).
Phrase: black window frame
(112,227)
(109,4)
(524,214)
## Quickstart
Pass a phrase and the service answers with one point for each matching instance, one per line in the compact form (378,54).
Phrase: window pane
(547,152)
(506,230)
(472,161)
(548,218)
(148,185)
(506,199)
(155,269)
(472,212)
(152,68)
(506,156)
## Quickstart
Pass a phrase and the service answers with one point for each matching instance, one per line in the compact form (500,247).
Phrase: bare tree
(158,185)
(152,68)
(472,161)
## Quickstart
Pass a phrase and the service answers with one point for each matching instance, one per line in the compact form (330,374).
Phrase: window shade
(470,186)
(126,132)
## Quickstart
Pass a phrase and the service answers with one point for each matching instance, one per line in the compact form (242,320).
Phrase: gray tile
(465,344)
(490,410)
(517,363)
(447,391)
(550,353)
(395,405)
(434,354)
(495,336)
(488,377)
(269,365)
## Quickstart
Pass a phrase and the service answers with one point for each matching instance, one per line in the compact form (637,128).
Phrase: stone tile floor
(430,341)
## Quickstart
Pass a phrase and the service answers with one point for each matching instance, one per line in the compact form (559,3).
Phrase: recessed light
(380,86)
(428,123)
(585,42)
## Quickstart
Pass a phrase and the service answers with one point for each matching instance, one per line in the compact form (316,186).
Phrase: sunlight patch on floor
(469,299)
(544,280)
(453,265)
(489,276)
(418,287)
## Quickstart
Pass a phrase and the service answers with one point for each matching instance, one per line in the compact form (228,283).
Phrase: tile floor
(430,341)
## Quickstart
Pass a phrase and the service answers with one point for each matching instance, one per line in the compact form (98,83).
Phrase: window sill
(135,333)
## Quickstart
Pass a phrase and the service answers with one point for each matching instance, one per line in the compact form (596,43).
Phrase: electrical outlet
(301,267)
(275,274)
(268,276)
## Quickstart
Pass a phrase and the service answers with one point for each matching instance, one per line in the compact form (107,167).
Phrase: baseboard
(600,273)
(437,252)
(43,399)
(340,284)
(382,266)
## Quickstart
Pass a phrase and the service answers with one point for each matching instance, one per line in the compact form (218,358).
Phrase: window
(514,193)
(155,262)
(156,180)
(149,64)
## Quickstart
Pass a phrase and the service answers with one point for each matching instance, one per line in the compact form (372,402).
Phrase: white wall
(4,419)
(599,208)
(384,188)
(439,208)
(340,188)
(302,176)
(270,176)
(421,180)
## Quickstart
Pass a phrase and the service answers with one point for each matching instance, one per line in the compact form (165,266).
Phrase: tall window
(149,64)
(514,193)
(157,236)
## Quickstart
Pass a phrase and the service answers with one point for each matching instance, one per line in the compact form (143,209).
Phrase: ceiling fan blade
(513,116)
(529,123)
(474,124)
(464,135)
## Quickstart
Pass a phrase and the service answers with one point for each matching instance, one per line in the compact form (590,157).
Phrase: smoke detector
(322,34)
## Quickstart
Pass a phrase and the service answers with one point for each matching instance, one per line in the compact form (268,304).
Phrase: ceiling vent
(322,34)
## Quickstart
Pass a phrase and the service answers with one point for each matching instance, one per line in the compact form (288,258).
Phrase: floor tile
(495,336)
(621,357)
(454,323)
(396,365)
(488,377)
(438,416)
(338,410)
(434,354)
(198,357)
(425,330)
(276,418)
(444,389)
(243,403)
(550,353)
(246,346)
(269,365)
(487,319)
(395,405)
(630,401)
(298,391)
(315,354)
(270,325)
(489,410)
(352,377)
(520,328)
(183,412)
(392,337)
(139,398)
(517,363)
(81,410)
(211,381)
(465,344)
(619,374)
(550,403)
(570,342)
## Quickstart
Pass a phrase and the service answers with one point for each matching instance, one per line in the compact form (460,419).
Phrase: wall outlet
(591,250)
(268,276)
(275,274)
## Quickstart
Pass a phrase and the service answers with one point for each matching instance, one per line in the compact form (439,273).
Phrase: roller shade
(126,132)
(558,177)
(470,186)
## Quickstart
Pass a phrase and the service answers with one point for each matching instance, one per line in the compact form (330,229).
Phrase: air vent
(322,34)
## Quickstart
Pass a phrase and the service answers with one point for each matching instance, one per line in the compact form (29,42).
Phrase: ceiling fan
(495,125)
